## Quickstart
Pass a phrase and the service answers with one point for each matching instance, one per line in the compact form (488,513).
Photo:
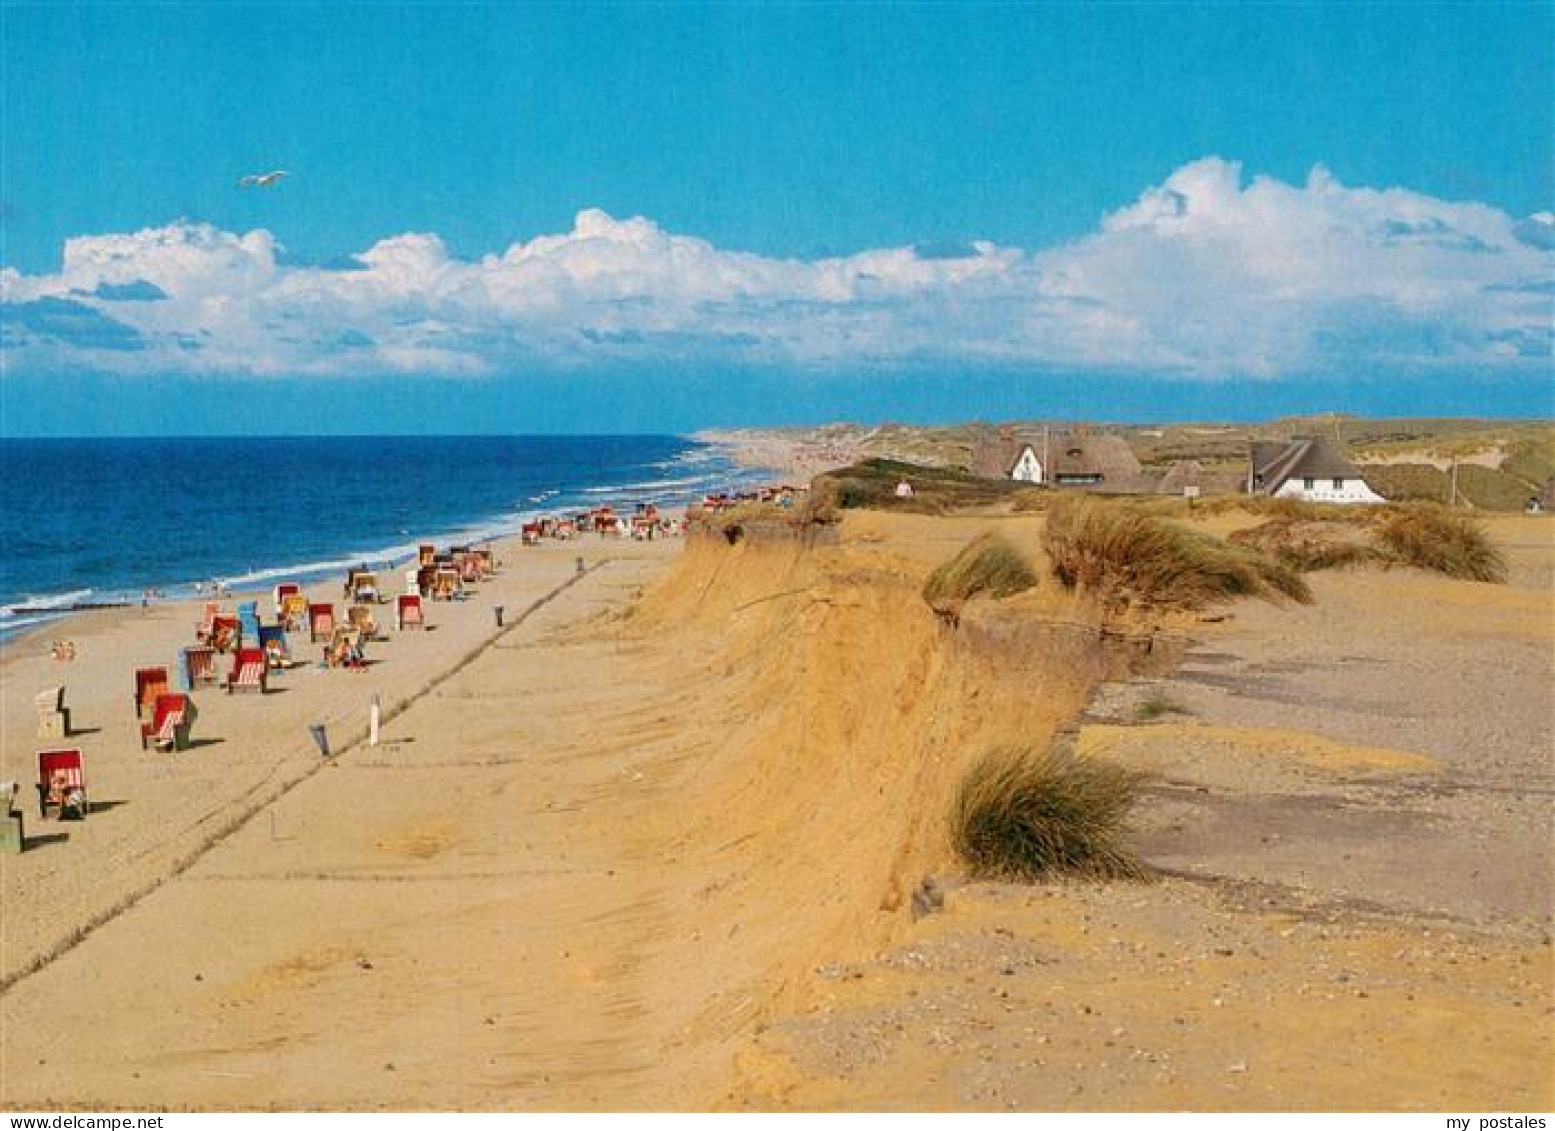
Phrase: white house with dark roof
(1309,468)
(1077,458)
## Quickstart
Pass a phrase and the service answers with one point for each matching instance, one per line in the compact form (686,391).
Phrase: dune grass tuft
(1155,705)
(1133,559)
(1309,545)
(1434,538)
(1024,815)
(987,566)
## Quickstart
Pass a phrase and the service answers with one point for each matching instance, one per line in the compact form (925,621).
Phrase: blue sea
(101,520)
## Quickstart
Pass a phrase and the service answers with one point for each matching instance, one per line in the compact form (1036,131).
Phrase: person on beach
(68,799)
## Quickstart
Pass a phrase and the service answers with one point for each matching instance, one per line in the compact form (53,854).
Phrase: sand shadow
(196,743)
(76,732)
(43,840)
(105,806)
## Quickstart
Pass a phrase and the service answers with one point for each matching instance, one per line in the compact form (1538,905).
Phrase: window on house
(1338,484)
(1309,483)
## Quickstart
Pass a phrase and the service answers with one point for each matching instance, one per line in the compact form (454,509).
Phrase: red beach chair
(170,723)
(282,591)
(407,612)
(62,784)
(248,671)
(321,622)
(149,683)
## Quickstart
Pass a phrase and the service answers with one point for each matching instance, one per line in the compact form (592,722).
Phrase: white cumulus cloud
(1206,274)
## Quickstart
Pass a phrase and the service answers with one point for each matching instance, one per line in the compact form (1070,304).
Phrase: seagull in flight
(261,180)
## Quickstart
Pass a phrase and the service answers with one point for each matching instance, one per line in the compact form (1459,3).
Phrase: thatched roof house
(1072,458)
(1186,473)
(1307,467)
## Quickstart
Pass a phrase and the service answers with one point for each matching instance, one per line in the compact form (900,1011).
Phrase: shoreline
(259,580)
(663,486)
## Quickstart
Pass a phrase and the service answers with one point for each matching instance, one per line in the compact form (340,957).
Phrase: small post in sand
(375,713)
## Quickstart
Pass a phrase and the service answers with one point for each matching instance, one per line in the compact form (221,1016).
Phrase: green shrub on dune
(1022,815)
(987,566)
(1132,559)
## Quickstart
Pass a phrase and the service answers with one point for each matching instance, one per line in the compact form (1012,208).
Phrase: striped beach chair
(199,665)
(248,671)
(169,725)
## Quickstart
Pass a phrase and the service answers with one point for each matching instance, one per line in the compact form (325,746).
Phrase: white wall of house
(1028,469)
(1329,491)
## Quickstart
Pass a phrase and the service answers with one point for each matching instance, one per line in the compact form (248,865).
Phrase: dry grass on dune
(1308,545)
(1434,538)
(987,566)
(1024,815)
(1133,559)
(1423,535)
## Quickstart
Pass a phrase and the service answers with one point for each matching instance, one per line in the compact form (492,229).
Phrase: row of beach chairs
(168,716)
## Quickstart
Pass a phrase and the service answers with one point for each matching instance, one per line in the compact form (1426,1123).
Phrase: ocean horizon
(101,520)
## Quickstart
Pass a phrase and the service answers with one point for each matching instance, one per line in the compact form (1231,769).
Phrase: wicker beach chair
(170,723)
(408,613)
(202,629)
(226,634)
(248,671)
(53,715)
(321,622)
(282,592)
(294,611)
(62,784)
(446,585)
(272,641)
(361,618)
(149,683)
(199,665)
(362,586)
(344,649)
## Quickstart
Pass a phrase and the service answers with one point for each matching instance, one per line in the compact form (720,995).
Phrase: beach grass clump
(1028,816)
(1156,705)
(1135,560)
(1307,546)
(1435,538)
(987,566)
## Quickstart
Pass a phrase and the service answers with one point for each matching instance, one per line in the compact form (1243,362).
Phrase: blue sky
(786,212)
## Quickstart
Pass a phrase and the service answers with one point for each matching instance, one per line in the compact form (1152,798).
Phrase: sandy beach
(677,839)
(153,813)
